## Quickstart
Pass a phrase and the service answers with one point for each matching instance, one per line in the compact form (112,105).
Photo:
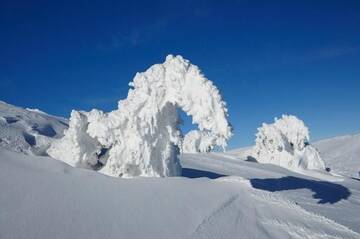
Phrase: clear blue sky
(266,57)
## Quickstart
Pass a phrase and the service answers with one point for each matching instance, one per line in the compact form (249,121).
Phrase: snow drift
(285,143)
(141,137)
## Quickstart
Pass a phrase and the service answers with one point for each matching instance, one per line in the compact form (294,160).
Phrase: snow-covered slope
(342,154)
(28,131)
(44,198)
(218,195)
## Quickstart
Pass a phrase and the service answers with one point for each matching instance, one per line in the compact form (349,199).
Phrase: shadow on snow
(326,192)
(196,173)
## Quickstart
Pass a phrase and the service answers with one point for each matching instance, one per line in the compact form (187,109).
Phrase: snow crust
(285,143)
(141,137)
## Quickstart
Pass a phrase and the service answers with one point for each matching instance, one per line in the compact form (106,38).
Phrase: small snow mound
(285,143)
(141,137)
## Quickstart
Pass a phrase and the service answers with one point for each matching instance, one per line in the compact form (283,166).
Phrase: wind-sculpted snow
(141,137)
(285,143)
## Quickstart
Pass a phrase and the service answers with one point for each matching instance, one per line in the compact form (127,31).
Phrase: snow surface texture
(28,131)
(285,143)
(141,137)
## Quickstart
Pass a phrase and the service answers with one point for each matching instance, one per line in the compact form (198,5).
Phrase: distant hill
(28,131)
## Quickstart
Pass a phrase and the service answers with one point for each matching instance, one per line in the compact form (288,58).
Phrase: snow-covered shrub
(285,143)
(197,141)
(141,137)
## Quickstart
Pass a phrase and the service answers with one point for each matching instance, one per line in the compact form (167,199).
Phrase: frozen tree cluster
(141,137)
(285,143)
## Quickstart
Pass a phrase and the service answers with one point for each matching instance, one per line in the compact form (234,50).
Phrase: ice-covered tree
(77,148)
(141,137)
(285,143)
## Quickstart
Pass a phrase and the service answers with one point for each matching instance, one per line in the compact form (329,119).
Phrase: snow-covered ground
(45,198)
(218,196)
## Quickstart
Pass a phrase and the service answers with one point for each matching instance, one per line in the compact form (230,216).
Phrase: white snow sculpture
(285,143)
(141,137)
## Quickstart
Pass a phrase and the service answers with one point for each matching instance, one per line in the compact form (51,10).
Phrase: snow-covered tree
(141,137)
(285,143)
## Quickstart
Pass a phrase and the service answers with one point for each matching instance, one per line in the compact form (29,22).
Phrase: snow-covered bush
(141,137)
(285,143)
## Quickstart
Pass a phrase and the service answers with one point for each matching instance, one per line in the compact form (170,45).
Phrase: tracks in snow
(271,215)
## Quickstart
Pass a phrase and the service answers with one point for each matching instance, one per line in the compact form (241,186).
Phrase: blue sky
(266,57)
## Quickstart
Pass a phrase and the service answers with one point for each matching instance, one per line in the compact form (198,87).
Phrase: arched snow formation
(141,137)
